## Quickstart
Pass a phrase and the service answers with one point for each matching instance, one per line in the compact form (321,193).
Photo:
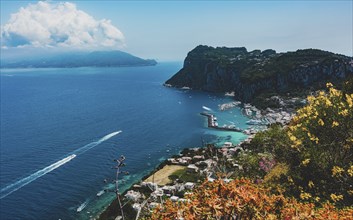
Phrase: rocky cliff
(250,74)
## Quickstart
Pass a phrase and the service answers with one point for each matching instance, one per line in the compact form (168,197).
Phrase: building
(192,168)
(189,185)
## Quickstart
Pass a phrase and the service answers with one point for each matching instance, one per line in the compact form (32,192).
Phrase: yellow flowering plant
(321,135)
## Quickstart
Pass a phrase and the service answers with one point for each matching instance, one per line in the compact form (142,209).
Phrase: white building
(133,195)
(227,144)
(189,185)
(174,198)
(192,168)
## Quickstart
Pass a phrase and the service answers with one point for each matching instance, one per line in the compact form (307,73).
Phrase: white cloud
(48,24)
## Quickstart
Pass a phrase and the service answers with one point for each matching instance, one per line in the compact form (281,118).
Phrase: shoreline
(110,207)
(279,115)
(186,158)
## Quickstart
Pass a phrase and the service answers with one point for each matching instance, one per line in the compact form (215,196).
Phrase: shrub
(321,137)
(241,199)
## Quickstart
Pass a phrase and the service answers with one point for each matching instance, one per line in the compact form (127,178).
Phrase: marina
(212,123)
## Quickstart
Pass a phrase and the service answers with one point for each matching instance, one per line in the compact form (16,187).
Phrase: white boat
(100,193)
(230,94)
(206,108)
(82,206)
(254,122)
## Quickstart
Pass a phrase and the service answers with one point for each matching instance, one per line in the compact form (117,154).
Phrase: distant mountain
(80,59)
(250,74)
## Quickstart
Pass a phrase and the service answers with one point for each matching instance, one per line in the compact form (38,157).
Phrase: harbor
(212,123)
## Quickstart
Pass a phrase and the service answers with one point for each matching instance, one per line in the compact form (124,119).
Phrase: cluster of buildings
(148,195)
(200,162)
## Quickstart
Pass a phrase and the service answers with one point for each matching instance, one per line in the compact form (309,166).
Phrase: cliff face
(249,74)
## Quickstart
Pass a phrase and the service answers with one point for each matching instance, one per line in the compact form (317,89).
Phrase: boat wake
(95,143)
(27,180)
(4,192)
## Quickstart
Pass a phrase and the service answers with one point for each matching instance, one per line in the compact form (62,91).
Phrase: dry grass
(161,176)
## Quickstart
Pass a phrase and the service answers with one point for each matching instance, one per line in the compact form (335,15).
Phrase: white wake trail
(21,183)
(27,180)
(95,143)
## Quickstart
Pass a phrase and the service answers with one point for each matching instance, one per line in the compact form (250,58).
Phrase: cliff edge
(250,74)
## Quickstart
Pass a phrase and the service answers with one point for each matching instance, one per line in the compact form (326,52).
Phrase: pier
(212,123)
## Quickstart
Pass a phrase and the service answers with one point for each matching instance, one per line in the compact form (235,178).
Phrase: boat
(254,122)
(100,193)
(82,206)
(206,108)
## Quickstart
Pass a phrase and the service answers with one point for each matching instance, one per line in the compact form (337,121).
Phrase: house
(136,206)
(210,179)
(133,195)
(187,159)
(157,193)
(209,163)
(168,189)
(192,168)
(235,150)
(153,205)
(174,198)
(198,157)
(227,144)
(152,186)
(189,185)
(179,187)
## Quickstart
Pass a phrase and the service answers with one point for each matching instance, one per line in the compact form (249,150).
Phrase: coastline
(112,207)
(280,115)
(112,211)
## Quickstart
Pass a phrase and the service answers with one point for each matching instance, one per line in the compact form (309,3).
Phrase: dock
(212,123)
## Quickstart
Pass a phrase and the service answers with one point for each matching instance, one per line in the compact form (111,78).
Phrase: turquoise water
(60,133)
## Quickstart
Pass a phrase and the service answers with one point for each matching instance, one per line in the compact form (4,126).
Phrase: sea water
(61,129)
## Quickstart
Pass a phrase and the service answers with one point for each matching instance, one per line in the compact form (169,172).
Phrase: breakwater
(212,123)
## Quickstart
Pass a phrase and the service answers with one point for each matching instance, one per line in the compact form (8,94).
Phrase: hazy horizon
(167,31)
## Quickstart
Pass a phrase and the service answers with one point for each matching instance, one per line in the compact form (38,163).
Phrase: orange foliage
(242,199)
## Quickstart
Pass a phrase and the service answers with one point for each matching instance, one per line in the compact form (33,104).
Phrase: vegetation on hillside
(287,62)
(300,171)
(255,65)
(242,199)
(321,138)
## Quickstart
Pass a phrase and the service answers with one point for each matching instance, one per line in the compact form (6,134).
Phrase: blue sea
(62,128)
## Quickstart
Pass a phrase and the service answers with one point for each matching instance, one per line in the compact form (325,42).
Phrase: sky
(168,30)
